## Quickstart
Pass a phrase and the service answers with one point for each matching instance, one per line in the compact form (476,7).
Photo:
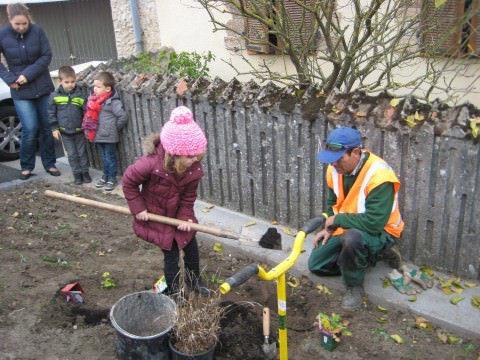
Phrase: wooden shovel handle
(153,217)
(266,322)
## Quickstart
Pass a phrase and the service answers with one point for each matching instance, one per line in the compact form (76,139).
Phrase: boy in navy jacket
(65,112)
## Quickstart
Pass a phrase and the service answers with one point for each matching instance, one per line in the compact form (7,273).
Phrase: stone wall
(263,142)
(123,25)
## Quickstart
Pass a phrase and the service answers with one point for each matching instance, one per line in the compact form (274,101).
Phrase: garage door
(79,31)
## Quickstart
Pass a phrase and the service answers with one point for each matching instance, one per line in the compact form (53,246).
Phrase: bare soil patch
(47,243)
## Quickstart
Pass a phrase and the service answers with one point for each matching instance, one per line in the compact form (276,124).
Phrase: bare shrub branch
(198,317)
(350,45)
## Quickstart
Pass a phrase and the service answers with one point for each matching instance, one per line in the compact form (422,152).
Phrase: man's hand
(185,227)
(329,223)
(56,134)
(321,237)
(142,216)
(325,234)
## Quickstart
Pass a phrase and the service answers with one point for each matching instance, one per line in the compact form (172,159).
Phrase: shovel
(270,350)
(152,217)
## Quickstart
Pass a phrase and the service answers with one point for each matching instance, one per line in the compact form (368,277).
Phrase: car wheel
(10,133)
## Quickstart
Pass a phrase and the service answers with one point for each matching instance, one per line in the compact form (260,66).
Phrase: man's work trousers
(348,255)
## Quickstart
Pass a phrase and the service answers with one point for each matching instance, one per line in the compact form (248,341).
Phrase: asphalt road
(8,173)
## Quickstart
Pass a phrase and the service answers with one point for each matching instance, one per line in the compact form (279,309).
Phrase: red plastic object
(73,292)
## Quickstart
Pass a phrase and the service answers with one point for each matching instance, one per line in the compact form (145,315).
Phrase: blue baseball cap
(338,141)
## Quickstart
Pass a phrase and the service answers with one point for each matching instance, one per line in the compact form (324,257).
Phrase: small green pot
(327,341)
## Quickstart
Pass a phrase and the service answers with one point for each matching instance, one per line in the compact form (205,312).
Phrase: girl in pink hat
(165,182)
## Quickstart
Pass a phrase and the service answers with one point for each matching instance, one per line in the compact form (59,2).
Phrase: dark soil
(47,243)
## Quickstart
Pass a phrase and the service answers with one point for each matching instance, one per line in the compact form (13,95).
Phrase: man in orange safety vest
(363,220)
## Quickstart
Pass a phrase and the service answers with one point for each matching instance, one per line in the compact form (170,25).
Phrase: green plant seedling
(55,260)
(23,258)
(63,226)
(215,280)
(380,331)
(107,281)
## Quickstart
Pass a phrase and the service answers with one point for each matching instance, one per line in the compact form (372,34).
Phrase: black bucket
(142,321)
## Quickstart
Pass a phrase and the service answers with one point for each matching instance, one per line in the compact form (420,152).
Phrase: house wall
(123,25)
(191,30)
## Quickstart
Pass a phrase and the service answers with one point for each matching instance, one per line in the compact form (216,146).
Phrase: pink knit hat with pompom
(181,135)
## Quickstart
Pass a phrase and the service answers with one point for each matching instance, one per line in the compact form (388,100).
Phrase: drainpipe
(137,31)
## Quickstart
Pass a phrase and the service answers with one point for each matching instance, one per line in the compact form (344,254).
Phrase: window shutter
(441,30)
(300,24)
(257,34)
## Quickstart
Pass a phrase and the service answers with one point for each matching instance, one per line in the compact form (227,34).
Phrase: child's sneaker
(101,183)
(110,185)
(86,178)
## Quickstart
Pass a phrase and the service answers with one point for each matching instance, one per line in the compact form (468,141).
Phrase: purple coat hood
(146,185)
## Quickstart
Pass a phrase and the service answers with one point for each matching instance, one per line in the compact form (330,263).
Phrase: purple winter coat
(161,193)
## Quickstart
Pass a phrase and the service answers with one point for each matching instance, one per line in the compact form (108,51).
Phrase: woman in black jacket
(27,53)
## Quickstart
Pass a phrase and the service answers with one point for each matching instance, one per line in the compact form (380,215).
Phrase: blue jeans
(108,153)
(33,114)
